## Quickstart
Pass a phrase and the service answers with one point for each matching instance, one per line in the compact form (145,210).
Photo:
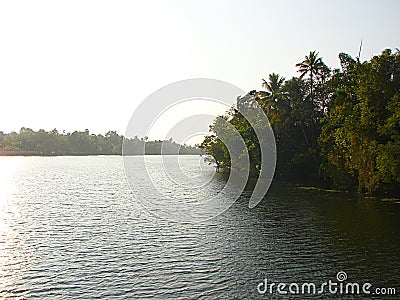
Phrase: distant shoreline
(28,142)
(29,154)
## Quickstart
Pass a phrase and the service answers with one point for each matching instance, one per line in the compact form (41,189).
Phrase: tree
(274,85)
(343,127)
(360,137)
(312,66)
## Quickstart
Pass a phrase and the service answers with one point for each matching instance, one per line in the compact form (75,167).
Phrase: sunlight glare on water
(72,229)
(13,258)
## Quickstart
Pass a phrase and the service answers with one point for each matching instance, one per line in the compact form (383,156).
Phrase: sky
(73,65)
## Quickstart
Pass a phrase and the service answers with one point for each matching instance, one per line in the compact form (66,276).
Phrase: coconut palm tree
(311,65)
(273,85)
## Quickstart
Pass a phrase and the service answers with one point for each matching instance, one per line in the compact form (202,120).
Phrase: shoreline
(94,154)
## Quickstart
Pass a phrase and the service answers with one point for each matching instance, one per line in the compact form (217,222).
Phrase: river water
(70,227)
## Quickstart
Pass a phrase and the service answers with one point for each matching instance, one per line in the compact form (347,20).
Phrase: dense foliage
(336,127)
(30,142)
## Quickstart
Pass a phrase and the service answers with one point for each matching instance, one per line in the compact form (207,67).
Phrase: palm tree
(274,99)
(273,85)
(311,65)
(273,91)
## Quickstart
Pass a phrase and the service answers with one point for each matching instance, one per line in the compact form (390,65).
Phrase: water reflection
(71,228)
(13,258)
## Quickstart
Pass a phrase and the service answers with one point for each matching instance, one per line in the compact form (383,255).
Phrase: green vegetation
(336,128)
(29,142)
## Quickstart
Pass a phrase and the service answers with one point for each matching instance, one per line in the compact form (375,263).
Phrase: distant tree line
(28,141)
(338,128)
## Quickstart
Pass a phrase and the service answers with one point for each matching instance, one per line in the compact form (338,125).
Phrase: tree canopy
(30,142)
(336,127)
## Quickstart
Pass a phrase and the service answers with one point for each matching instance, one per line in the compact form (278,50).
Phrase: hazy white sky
(87,64)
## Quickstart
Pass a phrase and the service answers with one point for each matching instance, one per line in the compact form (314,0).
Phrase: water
(70,228)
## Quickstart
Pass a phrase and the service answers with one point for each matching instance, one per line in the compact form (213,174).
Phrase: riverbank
(33,153)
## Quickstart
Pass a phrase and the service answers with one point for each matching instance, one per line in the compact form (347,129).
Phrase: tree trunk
(305,135)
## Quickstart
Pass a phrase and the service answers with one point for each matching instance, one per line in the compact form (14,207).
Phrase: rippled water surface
(70,227)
